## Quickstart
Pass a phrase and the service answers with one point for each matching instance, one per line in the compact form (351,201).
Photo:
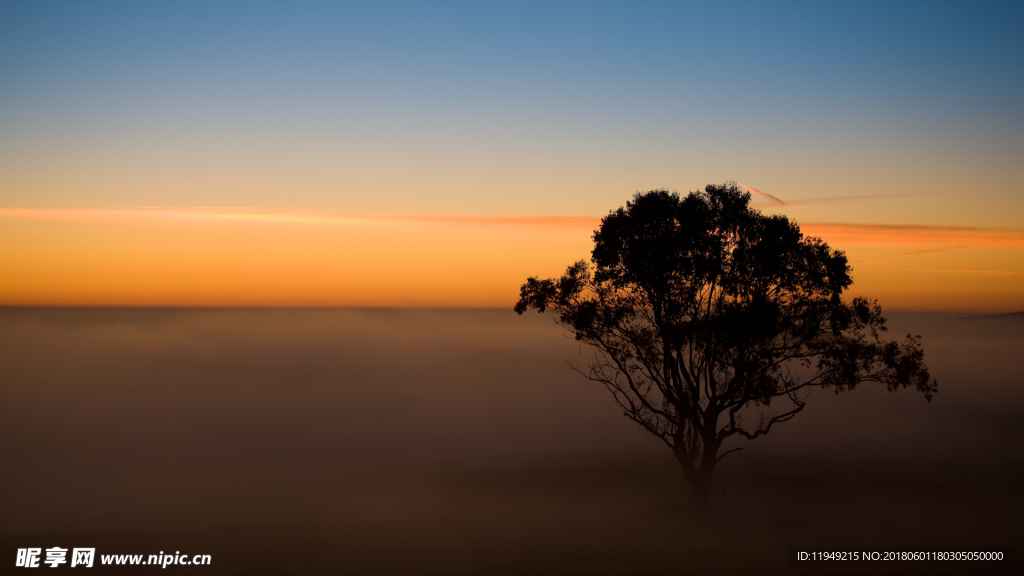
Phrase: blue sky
(512,108)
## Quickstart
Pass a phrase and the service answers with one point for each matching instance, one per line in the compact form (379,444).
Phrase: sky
(436,154)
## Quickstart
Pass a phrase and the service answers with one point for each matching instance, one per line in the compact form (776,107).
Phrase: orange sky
(336,128)
(260,257)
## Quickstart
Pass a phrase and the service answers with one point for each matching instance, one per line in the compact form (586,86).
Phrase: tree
(710,320)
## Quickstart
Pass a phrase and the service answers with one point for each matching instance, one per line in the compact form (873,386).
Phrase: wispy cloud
(919,238)
(915,236)
(823,199)
(916,253)
(272,216)
(757,192)
(982,272)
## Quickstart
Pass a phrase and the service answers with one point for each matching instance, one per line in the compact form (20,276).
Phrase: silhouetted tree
(707,314)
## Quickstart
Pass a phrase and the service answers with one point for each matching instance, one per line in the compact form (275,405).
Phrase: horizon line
(229,307)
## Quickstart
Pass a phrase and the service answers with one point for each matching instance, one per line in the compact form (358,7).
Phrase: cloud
(272,216)
(932,252)
(920,237)
(983,272)
(915,236)
(823,200)
(757,192)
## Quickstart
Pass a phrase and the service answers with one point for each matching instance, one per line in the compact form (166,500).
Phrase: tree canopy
(710,319)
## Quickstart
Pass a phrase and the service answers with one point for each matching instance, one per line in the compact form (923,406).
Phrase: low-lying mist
(460,441)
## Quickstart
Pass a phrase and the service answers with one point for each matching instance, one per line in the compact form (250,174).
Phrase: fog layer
(432,441)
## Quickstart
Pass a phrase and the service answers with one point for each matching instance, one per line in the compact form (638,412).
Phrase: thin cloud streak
(824,199)
(984,272)
(932,252)
(922,237)
(757,192)
(262,215)
(914,236)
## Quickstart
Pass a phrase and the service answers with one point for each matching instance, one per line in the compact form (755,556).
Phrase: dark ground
(457,442)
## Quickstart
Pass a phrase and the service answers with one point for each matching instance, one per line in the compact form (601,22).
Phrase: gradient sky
(420,153)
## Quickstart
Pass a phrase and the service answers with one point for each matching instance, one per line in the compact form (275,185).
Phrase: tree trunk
(699,479)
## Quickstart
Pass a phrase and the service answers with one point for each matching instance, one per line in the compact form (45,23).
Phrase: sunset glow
(171,154)
(225,256)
